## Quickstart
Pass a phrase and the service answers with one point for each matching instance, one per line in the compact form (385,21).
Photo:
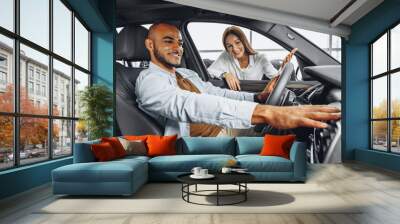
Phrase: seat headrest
(130,44)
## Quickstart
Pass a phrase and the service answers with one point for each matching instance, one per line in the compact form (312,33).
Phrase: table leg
(245,191)
(217,194)
(196,188)
(188,190)
(182,190)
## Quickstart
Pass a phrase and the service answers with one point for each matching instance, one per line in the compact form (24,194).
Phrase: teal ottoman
(118,177)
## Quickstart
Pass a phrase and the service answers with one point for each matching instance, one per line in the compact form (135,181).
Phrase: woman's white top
(258,66)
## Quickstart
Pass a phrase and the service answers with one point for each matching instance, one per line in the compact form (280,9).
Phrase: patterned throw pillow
(133,147)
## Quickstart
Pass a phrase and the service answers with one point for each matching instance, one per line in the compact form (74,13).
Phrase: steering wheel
(276,97)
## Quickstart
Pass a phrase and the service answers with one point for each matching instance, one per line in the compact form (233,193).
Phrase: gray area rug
(166,198)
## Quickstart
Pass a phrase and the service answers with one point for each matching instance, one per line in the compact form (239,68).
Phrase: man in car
(188,106)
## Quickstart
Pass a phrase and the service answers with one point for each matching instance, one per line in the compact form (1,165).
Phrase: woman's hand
(232,81)
(288,57)
(262,97)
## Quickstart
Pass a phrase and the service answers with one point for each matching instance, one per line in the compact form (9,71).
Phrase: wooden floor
(378,188)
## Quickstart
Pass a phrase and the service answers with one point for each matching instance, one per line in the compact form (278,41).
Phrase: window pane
(7,14)
(395,136)
(35,21)
(272,50)
(337,55)
(62,141)
(395,47)
(212,40)
(336,48)
(261,42)
(81,45)
(379,135)
(379,97)
(6,74)
(379,55)
(336,42)
(6,142)
(62,29)
(34,72)
(395,95)
(81,131)
(33,140)
(81,81)
(322,41)
(62,89)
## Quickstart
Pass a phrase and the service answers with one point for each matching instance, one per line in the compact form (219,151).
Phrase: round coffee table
(238,179)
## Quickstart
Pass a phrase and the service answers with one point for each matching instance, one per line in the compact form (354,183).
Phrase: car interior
(319,83)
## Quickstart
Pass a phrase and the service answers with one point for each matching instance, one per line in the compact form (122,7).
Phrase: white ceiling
(317,15)
(321,9)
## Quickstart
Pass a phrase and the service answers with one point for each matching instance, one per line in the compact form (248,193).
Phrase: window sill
(26,167)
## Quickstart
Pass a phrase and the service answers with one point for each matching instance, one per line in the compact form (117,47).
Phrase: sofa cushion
(249,145)
(185,163)
(207,145)
(131,158)
(112,171)
(257,163)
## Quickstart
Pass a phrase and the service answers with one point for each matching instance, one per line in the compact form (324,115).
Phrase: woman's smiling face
(234,46)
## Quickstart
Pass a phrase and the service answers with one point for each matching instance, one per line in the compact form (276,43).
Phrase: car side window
(207,37)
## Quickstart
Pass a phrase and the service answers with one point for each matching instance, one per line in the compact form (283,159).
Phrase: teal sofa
(125,176)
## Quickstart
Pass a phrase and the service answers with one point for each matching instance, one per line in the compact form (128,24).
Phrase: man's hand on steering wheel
(263,96)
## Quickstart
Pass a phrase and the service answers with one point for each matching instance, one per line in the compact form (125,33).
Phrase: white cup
(203,172)
(196,170)
(226,170)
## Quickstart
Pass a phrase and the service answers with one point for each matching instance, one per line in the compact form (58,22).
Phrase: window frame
(16,115)
(388,74)
(3,69)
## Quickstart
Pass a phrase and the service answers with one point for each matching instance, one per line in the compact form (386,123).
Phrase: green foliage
(96,102)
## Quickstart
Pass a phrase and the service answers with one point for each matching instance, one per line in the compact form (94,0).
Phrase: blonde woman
(240,61)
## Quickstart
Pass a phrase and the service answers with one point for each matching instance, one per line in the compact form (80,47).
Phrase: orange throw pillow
(116,145)
(103,152)
(277,145)
(161,145)
(136,137)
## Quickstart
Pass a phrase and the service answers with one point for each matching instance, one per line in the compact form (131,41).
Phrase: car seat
(130,48)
